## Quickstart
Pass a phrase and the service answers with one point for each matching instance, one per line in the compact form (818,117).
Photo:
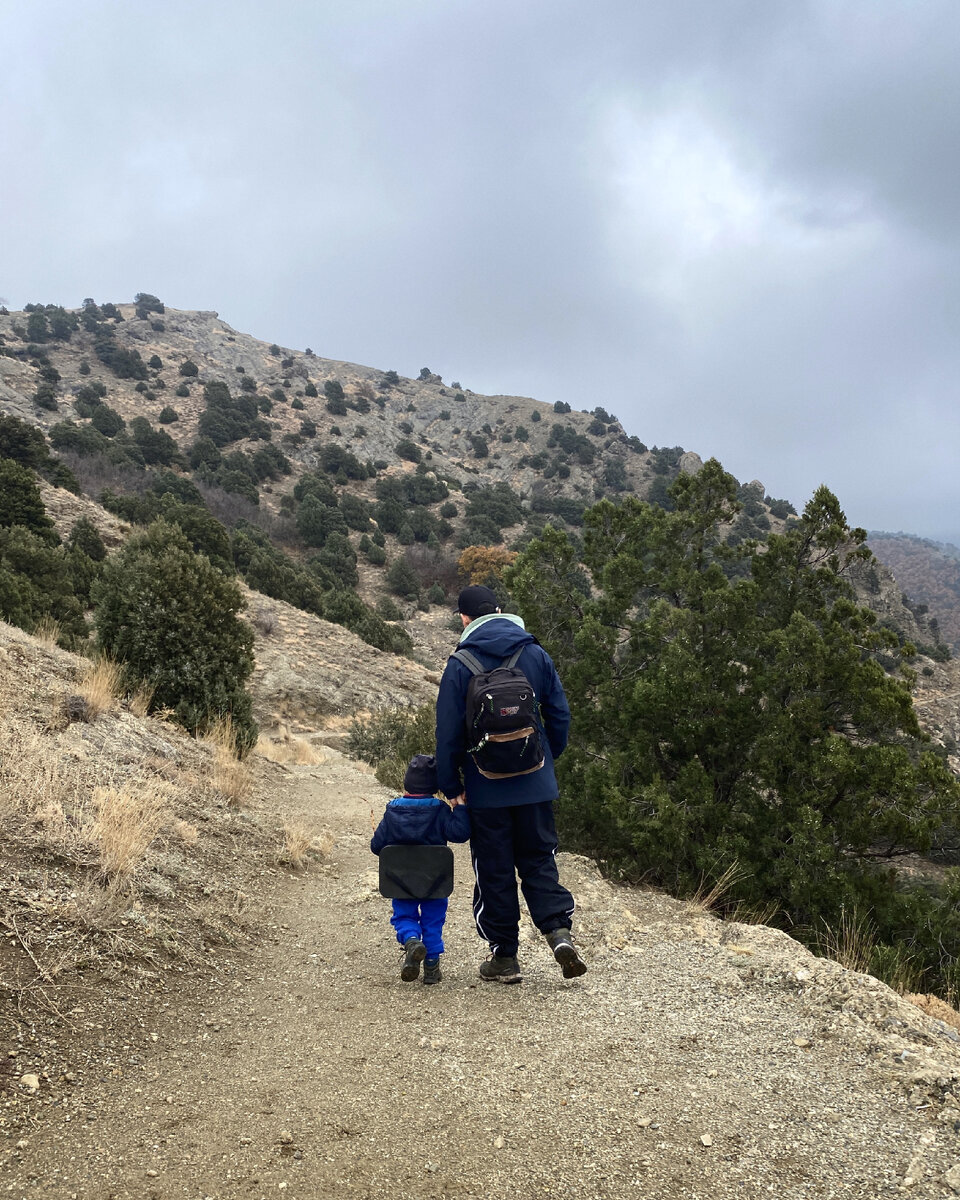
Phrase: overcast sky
(732,223)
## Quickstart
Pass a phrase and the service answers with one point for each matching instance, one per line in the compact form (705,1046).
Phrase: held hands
(461,799)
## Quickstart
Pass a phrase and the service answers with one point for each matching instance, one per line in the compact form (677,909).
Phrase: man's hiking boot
(500,970)
(431,970)
(565,952)
(414,952)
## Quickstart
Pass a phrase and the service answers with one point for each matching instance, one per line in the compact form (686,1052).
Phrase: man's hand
(461,799)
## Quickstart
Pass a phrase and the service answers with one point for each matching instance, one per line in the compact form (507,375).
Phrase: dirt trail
(693,1060)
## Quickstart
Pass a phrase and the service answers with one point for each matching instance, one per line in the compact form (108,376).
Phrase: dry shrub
(100,685)
(139,700)
(264,620)
(127,821)
(301,840)
(229,775)
(47,632)
(96,907)
(478,563)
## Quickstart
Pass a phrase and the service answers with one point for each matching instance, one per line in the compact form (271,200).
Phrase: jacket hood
(497,634)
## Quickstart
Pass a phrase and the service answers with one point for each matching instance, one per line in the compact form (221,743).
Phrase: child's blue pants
(421,919)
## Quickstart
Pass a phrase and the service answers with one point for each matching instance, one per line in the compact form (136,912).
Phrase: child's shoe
(431,970)
(414,952)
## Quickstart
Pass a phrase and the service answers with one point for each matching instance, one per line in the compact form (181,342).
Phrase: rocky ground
(696,1059)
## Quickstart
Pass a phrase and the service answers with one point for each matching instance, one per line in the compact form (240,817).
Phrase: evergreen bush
(173,620)
(742,722)
(390,738)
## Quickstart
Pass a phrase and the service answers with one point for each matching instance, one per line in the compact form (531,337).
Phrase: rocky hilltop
(120,388)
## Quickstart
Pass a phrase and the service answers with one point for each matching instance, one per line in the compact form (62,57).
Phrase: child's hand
(461,799)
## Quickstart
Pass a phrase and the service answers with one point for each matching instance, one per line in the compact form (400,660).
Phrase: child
(418,818)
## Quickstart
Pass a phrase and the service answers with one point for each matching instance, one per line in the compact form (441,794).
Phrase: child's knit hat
(421,776)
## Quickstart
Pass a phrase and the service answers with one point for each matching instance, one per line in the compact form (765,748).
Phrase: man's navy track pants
(505,842)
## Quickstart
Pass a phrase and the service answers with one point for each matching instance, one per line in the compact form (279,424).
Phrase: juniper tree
(739,719)
(172,619)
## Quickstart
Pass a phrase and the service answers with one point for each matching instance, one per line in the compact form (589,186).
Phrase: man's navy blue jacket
(492,639)
(420,821)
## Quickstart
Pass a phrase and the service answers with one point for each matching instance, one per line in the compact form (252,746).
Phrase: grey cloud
(733,225)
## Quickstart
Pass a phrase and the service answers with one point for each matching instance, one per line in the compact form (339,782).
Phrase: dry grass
(851,944)
(184,831)
(115,821)
(229,775)
(707,896)
(290,750)
(302,840)
(934,1007)
(47,632)
(127,820)
(32,779)
(753,914)
(98,908)
(100,685)
(139,700)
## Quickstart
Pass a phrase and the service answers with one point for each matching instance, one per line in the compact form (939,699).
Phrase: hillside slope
(929,572)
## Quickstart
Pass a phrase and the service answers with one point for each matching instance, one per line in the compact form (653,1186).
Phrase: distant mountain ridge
(929,572)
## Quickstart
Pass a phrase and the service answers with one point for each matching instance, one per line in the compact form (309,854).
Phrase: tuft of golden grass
(707,896)
(186,832)
(301,839)
(100,685)
(47,631)
(851,943)
(139,700)
(291,750)
(127,820)
(33,779)
(753,914)
(229,775)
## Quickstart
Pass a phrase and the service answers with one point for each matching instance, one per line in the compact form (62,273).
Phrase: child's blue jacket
(420,821)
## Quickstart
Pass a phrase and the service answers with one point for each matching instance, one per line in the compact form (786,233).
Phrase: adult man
(512,828)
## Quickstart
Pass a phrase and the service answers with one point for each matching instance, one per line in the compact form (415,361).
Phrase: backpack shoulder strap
(470,661)
(512,660)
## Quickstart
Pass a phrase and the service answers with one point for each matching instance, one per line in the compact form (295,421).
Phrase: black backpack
(503,731)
